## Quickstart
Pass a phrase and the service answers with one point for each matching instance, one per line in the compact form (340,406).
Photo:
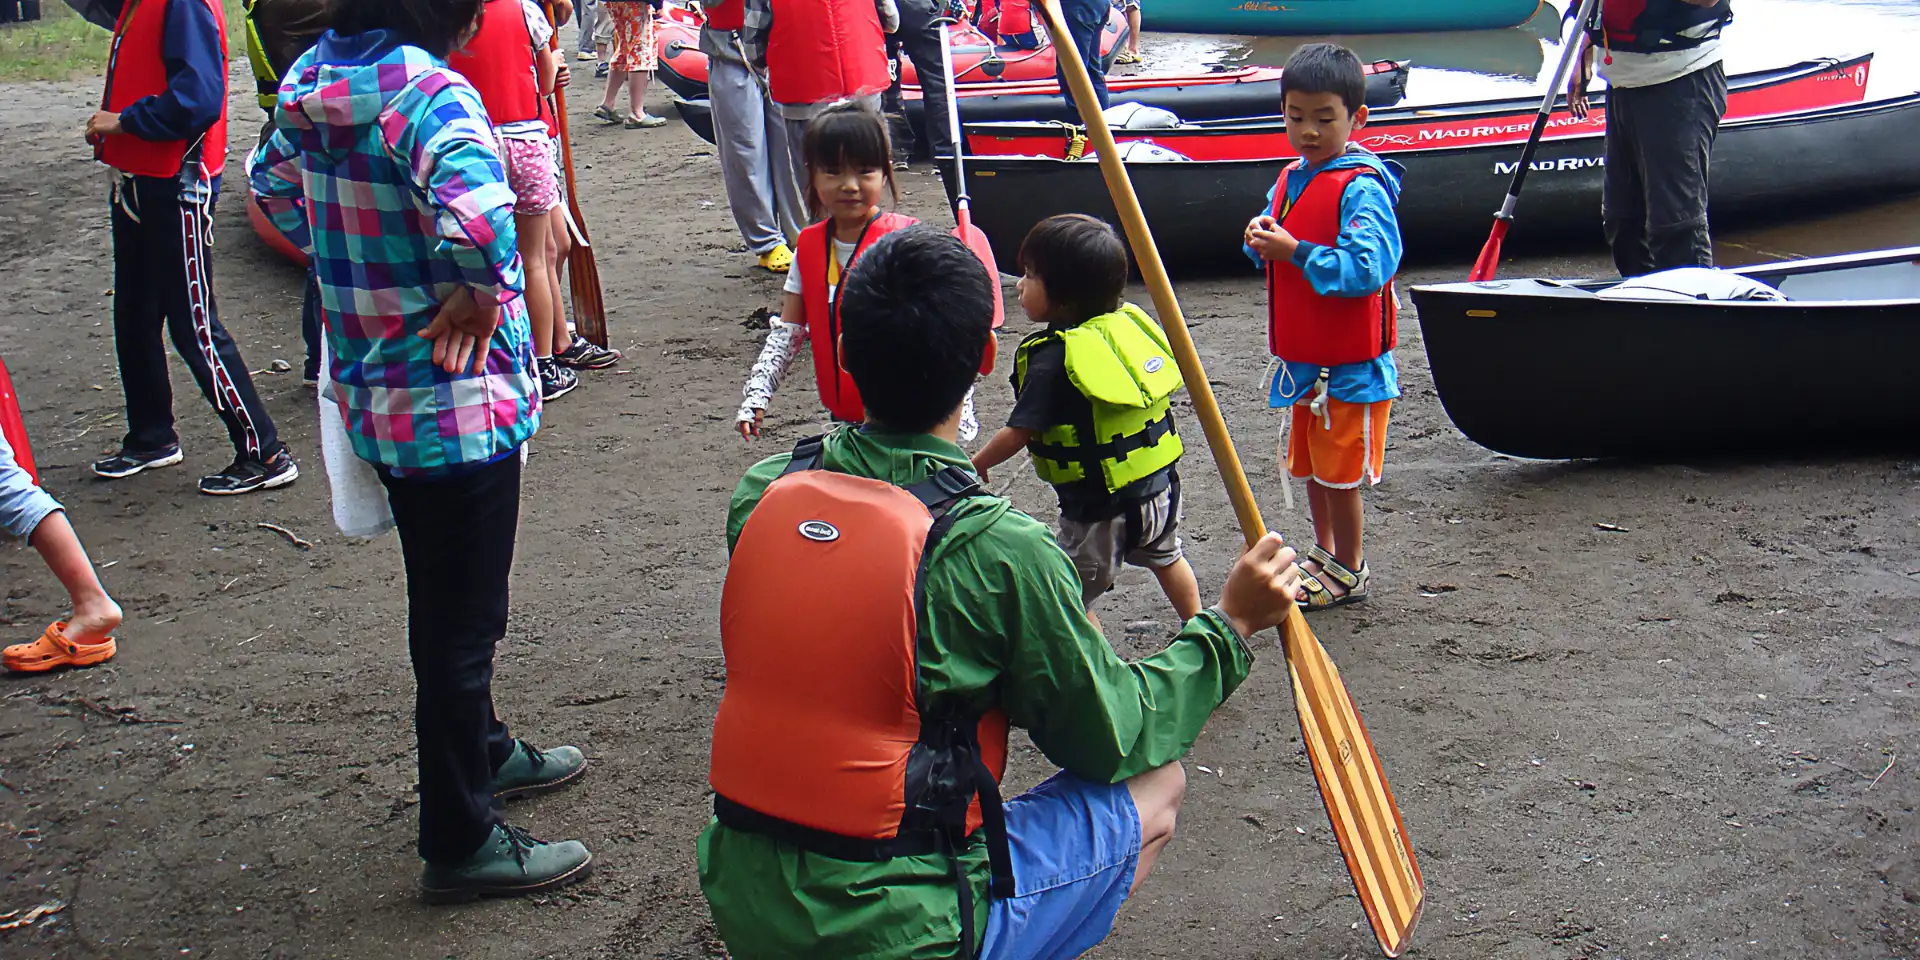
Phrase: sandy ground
(1672,741)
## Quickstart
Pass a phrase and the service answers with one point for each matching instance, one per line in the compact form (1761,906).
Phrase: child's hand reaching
(750,429)
(1270,240)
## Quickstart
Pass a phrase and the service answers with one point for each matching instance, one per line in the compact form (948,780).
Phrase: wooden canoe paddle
(583,274)
(1378,851)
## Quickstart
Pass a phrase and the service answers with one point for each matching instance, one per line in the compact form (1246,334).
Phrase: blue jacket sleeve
(196,78)
(1367,254)
(1248,250)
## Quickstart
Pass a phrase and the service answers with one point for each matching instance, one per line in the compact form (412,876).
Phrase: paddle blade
(1489,262)
(976,240)
(1359,804)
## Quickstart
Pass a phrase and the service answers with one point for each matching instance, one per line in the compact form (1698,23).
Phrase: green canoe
(1284,17)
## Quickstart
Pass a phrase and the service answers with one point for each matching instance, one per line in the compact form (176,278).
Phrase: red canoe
(1811,85)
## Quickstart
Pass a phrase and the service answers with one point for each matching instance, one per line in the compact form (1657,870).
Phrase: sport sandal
(54,650)
(1318,596)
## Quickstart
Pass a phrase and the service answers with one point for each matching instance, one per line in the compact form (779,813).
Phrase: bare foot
(93,620)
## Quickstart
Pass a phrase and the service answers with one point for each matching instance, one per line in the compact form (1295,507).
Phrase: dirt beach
(1691,733)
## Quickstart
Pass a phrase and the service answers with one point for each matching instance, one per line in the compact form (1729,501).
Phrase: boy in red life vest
(163,126)
(1330,243)
(885,622)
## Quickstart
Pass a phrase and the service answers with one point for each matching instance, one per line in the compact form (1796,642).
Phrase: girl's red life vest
(1655,26)
(13,427)
(499,62)
(726,14)
(817,266)
(820,51)
(1302,325)
(1016,17)
(135,70)
(824,738)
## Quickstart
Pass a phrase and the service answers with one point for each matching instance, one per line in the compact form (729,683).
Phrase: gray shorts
(1145,534)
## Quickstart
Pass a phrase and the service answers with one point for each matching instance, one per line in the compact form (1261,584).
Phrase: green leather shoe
(529,771)
(510,864)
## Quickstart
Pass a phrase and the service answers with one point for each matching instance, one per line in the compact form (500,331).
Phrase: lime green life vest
(1122,364)
(266,80)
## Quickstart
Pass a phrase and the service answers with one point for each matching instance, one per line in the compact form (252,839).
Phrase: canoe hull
(1296,17)
(1541,370)
(1198,209)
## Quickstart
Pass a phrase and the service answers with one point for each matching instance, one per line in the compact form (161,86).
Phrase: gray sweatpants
(1659,144)
(587,14)
(752,143)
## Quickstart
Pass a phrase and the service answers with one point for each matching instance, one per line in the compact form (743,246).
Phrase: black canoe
(1550,370)
(1198,209)
(1205,98)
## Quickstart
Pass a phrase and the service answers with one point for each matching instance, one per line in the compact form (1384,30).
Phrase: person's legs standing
(617,59)
(923,39)
(1677,142)
(137,325)
(1624,195)
(797,162)
(310,327)
(1132,8)
(589,13)
(1083,28)
(740,131)
(456,538)
(781,159)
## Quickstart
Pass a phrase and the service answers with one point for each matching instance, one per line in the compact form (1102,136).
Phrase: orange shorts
(1342,451)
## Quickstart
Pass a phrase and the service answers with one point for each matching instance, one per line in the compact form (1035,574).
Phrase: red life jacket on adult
(816,265)
(498,61)
(726,14)
(1016,17)
(1303,326)
(1658,26)
(825,50)
(823,738)
(13,427)
(136,69)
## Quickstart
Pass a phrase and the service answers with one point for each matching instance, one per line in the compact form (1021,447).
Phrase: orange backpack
(824,738)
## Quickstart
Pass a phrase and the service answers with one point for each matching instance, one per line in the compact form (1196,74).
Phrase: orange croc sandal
(54,650)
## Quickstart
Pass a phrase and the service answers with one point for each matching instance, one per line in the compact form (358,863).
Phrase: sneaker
(586,55)
(778,260)
(529,771)
(126,463)
(601,70)
(556,381)
(645,121)
(511,863)
(586,356)
(605,114)
(246,475)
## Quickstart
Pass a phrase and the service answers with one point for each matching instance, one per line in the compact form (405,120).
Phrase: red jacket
(136,70)
(499,62)
(726,14)
(1302,325)
(837,392)
(825,50)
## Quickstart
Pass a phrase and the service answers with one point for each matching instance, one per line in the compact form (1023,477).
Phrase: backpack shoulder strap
(808,454)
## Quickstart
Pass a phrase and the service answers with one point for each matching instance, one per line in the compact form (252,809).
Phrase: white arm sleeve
(776,358)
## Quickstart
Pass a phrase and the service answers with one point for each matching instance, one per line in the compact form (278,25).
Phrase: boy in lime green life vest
(842,825)
(1095,390)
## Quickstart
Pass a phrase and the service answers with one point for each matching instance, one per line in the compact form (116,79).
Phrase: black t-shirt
(1049,399)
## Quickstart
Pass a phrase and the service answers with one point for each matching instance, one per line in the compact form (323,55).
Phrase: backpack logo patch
(820,531)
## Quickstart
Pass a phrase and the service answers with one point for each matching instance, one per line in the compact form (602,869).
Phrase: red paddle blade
(976,240)
(1489,262)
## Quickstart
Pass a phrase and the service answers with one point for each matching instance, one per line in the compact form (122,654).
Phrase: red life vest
(498,61)
(726,14)
(825,50)
(822,739)
(1303,326)
(136,69)
(13,427)
(1655,26)
(811,258)
(1016,17)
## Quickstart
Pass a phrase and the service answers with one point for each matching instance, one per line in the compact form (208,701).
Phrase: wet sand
(1672,741)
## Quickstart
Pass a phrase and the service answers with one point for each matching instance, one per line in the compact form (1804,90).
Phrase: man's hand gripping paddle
(1366,821)
(972,236)
(1489,262)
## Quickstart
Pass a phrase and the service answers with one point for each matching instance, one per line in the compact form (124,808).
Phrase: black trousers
(1659,145)
(456,537)
(921,39)
(163,279)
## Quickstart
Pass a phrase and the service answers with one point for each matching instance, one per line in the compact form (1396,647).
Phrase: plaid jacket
(382,164)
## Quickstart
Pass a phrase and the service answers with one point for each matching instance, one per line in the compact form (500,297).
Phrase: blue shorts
(1075,846)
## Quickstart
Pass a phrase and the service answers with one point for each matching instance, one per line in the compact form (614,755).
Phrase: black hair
(846,134)
(1326,68)
(915,318)
(1080,262)
(436,26)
